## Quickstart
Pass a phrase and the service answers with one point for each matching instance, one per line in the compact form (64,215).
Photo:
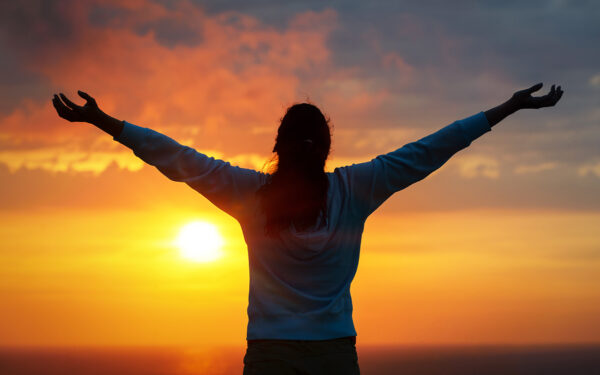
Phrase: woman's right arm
(226,186)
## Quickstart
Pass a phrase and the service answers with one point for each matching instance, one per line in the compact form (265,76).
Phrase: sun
(200,241)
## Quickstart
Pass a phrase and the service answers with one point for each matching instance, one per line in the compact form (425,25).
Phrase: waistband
(352,339)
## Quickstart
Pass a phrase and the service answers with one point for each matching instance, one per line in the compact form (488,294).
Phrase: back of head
(297,190)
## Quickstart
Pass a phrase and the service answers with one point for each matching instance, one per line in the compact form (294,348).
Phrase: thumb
(534,88)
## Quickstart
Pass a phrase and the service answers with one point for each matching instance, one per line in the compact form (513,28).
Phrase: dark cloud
(34,28)
(274,13)
(29,31)
(18,83)
(169,28)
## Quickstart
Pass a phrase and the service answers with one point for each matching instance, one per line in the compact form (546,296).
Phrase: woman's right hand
(72,112)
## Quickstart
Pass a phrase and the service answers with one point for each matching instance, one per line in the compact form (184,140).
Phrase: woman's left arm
(373,182)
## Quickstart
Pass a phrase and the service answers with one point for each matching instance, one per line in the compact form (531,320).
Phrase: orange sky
(104,277)
(500,245)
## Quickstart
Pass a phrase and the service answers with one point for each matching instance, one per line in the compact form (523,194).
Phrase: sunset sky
(501,245)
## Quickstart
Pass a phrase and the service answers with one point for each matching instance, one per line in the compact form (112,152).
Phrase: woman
(303,226)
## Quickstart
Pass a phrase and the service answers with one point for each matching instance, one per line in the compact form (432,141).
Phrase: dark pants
(292,357)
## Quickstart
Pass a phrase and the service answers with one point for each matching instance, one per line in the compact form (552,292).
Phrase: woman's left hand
(523,99)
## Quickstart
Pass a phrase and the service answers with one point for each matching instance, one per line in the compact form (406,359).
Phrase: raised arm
(226,186)
(371,183)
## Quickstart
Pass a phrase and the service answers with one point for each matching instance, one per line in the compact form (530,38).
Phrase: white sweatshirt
(300,282)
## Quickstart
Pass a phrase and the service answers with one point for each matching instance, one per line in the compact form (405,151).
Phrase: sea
(388,360)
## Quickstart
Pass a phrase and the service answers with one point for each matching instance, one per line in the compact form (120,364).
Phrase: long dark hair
(296,193)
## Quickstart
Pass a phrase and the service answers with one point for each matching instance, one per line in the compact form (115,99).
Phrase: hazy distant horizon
(405,360)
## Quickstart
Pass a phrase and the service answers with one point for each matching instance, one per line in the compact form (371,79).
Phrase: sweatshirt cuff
(130,135)
(475,126)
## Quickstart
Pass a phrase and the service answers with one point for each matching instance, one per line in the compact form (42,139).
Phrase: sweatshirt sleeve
(226,186)
(370,184)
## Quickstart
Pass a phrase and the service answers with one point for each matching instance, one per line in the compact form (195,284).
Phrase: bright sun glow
(200,241)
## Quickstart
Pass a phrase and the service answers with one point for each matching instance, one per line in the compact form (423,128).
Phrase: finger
(60,106)
(534,88)
(69,103)
(62,110)
(552,94)
(560,93)
(86,96)
(555,96)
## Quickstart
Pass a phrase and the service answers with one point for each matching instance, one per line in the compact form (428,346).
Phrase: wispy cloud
(473,165)
(591,169)
(535,168)
(595,81)
(62,160)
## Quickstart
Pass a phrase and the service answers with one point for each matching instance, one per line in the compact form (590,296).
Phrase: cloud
(595,81)
(230,78)
(535,168)
(396,62)
(61,160)
(218,77)
(592,169)
(474,165)
(252,161)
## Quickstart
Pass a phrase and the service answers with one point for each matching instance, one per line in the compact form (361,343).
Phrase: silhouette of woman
(303,226)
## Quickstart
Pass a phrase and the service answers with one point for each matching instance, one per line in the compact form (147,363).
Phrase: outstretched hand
(523,99)
(76,113)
